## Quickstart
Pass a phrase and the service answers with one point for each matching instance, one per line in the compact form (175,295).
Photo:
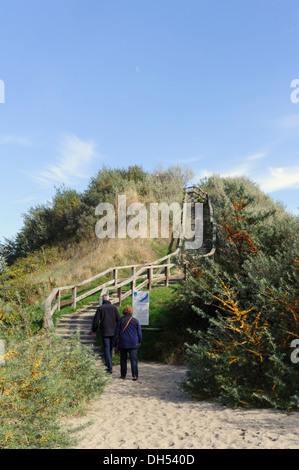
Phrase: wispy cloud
(257,156)
(290,121)
(246,165)
(189,160)
(24,200)
(75,157)
(243,166)
(242,169)
(269,179)
(279,178)
(13,139)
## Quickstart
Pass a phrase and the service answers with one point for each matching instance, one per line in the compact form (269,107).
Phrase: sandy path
(153,414)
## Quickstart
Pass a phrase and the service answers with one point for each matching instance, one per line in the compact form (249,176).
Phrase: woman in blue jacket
(128,330)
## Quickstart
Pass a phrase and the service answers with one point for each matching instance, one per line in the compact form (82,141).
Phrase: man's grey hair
(105,296)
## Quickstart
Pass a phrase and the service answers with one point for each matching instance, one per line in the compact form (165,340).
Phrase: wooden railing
(144,272)
(197,191)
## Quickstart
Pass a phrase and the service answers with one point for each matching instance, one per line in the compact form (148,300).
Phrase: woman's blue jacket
(131,337)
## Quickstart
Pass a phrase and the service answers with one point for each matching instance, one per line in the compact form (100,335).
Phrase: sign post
(141,306)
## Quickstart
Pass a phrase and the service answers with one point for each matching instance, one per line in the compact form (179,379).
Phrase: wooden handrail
(196,190)
(137,274)
(113,284)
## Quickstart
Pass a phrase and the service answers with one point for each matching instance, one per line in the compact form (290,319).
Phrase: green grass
(160,298)
(67,309)
(158,346)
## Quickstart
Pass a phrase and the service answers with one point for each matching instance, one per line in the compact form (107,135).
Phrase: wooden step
(72,329)
(81,322)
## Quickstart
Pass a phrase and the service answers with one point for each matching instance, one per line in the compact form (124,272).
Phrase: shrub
(248,301)
(44,378)
(70,216)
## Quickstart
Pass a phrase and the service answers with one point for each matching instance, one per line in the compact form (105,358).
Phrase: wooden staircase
(80,322)
(158,272)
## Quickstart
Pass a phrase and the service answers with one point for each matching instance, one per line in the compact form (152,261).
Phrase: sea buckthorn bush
(246,301)
(42,379)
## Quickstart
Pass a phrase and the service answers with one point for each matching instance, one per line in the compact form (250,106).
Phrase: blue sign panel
(141,306)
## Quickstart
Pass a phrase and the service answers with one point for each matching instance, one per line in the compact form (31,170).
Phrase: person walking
(128,331)
(107,315)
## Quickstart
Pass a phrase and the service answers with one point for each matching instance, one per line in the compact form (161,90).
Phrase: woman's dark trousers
(123,362)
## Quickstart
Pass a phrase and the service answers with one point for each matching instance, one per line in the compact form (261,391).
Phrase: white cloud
(241,170)
(189,160)
(257,156)
(13,139)
(24,200)
(279,178)
(271,179)
(289,122)
(245,166)
(75,157)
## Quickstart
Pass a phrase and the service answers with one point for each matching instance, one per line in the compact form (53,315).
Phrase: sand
(153,413)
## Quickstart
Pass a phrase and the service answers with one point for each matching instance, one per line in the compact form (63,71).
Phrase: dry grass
(83,260)
(90,257)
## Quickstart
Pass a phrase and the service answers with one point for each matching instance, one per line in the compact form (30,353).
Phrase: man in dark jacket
(108,316)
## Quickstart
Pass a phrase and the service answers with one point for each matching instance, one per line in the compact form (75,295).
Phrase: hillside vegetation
(244,304)
(41,377)
(57,244)
(232,322)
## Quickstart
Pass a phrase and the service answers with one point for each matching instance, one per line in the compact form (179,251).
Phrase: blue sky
(205,83)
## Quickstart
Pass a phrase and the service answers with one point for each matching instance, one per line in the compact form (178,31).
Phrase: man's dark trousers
(107,342)
(107,315)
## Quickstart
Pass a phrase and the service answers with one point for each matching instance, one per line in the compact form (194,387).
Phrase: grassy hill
(42,376)
(57,244)
(237,313)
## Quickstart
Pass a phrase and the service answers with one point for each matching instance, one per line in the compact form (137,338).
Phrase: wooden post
(119,295)
(150,277)
(133,283)
(115,275)
(58,301)
(74,295)
(167,272)
(185,271)
(47,318)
